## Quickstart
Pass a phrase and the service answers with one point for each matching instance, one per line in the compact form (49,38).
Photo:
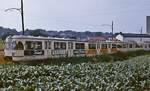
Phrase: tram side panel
(8,47)
(32,50)
(18,50)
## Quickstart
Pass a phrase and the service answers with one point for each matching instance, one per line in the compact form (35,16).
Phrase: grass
(119,56)
(4,61)
(1,45)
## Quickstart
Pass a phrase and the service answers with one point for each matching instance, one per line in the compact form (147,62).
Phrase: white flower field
(130,75)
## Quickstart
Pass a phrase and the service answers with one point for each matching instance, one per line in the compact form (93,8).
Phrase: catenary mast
(22,17)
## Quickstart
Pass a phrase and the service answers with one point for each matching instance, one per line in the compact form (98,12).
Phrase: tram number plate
(38,52)
(33,52)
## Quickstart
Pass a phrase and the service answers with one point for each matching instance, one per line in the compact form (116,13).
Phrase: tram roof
(44,38)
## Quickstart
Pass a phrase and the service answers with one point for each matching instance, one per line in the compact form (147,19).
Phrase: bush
(105,58)
(119,56)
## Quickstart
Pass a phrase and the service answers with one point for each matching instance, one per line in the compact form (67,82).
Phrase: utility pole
(141,32)
(112,29)
(22,15)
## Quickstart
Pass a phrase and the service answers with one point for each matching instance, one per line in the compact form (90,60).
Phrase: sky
(77,15)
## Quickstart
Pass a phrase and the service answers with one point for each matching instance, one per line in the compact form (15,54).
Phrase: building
(129,37)
(148,25)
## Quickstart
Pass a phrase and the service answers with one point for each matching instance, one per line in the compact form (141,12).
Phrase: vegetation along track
(133,74)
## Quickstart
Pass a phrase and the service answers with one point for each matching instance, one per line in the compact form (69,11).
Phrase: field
(133,75)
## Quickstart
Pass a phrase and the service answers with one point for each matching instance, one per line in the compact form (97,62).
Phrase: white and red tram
(25,48)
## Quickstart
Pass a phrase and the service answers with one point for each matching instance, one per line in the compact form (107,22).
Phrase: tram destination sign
(79,51)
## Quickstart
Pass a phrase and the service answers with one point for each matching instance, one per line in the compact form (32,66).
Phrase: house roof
(135,35)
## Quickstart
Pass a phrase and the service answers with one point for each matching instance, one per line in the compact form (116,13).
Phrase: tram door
(91,50)
(104,48)
(59,49)
(18,49)
(70,49)
(113,48)
(8,49)
(47,49)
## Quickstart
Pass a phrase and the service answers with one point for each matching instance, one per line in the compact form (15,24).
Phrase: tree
(4,36)
(98,34)
(38,33)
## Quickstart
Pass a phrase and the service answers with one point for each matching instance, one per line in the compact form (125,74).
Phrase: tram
(28,48)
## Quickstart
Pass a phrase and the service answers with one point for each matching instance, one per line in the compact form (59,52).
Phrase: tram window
(92,46)
(38,45)
(104,46)
(130,46)
(108,45)
(70,45)
(19,46)
(29,45)
(124,46)
(59,45)
(98,46)
(137,46)
(113,45)
(33,45)
(80,46)
(46,46)
(49,45)
(56,45)
(145,46)
(13,44)
(63,45)
(141,46)
(9,45)
(119,46)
